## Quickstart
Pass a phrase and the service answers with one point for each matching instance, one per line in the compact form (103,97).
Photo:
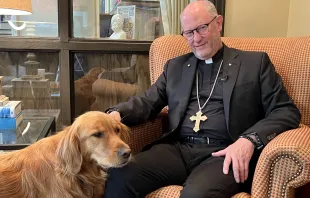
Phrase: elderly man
(224,104)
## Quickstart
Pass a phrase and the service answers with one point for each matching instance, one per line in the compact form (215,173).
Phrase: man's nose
(196,36)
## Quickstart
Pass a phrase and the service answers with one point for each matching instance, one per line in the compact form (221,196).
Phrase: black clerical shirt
(215,126)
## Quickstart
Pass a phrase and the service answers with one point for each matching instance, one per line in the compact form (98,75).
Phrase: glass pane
(140,20)
(103,80)
(39,127)
(33,79)
(43,22)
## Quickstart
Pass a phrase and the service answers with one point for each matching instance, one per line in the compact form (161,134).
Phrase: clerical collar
(218,56)
(209,61)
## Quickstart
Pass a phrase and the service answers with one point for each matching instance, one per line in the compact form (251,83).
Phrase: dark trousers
(188,165)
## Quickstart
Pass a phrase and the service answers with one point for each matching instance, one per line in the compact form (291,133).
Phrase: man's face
(205,45)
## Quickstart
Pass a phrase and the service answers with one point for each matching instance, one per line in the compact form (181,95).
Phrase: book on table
(8,137)
(11,109)
(3,100)
(11,123)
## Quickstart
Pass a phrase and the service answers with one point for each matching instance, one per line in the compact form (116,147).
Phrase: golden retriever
(70,164)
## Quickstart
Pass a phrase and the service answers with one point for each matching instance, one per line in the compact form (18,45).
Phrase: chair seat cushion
(172,191)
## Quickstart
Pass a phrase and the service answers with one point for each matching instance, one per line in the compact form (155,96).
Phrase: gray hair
(210,7)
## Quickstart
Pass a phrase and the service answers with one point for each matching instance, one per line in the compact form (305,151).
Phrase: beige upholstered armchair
(284,164)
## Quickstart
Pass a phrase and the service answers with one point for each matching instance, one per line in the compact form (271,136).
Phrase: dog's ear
(68,151)
(124,134)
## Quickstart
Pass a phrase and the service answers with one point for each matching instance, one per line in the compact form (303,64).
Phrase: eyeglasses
(202,29)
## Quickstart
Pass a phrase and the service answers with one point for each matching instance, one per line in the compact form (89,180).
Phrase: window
(43,22)
(33,79)
(140,20)
(103,80)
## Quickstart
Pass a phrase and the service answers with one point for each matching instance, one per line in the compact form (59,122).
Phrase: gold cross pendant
(199,117)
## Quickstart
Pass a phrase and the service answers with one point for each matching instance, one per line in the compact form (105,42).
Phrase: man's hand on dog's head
(116,115)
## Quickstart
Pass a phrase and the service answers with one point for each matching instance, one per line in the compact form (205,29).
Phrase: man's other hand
(239,154)
(116,115)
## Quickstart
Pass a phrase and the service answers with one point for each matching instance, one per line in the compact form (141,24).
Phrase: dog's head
(94,136)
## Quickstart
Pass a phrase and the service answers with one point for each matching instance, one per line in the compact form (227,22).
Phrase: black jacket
(255,99)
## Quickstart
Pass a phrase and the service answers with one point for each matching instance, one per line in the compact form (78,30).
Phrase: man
(224,106)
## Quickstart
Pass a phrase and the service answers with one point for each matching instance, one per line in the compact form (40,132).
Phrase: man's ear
(68,152)
(219,23)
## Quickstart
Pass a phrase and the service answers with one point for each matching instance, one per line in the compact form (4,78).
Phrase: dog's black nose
(124,153)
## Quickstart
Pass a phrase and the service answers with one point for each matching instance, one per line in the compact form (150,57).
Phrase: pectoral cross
(199,117)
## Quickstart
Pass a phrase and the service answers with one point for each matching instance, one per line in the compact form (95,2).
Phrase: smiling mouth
(200,45)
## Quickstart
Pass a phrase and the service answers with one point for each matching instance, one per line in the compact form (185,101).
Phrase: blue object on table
(7,136)
(11,123)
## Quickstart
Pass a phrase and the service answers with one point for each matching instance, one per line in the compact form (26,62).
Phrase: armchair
(284,164)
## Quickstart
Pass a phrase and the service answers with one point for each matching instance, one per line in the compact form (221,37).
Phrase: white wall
(256,18)
(299,18)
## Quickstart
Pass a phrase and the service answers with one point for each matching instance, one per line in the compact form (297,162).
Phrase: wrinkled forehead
(192,18)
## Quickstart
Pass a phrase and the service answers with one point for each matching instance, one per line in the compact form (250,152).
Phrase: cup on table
(41,72)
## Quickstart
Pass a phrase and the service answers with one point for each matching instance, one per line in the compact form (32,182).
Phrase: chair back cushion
(291,57)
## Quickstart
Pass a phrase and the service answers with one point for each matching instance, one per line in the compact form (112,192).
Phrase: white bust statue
(117,22)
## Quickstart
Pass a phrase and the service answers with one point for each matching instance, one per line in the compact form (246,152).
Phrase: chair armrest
(148,132)
(283,165)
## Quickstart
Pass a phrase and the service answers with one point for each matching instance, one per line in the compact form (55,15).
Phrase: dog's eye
(117,130)
(98,135)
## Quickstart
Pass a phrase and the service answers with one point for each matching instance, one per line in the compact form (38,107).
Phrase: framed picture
(129,15)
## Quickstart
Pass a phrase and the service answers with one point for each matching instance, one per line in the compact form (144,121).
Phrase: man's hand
(116,115)
(239,154)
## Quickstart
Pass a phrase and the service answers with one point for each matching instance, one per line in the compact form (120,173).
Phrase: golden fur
(70,164)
